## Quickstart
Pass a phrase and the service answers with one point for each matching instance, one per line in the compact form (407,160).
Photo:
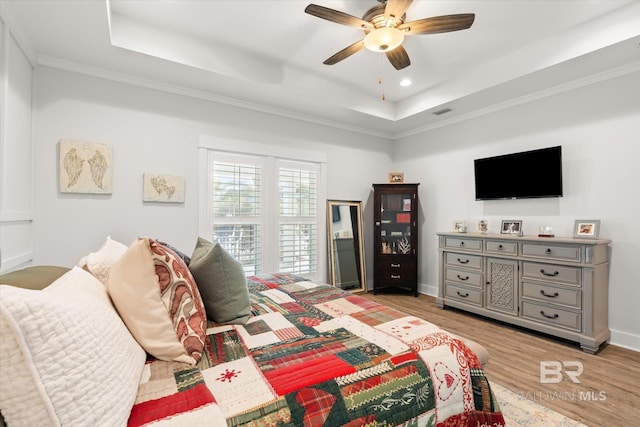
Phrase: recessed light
(405,82)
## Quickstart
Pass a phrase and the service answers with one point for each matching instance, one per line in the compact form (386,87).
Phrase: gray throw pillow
(222,283)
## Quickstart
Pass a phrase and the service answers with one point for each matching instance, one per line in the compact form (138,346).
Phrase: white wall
(158,132)
(153,131)
(597,126)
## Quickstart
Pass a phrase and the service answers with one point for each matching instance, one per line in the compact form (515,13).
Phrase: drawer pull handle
(555,316)
(395,276)
(466,261)
(553,295)
(462,278)
(499,247)
(555,273)
(461,243)
(462,295)
(395,265)
(548,252)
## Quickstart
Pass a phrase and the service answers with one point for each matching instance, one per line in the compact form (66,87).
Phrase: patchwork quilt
(314,355)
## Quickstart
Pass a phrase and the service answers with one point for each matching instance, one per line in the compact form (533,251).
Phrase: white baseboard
(625,339)
(430,290)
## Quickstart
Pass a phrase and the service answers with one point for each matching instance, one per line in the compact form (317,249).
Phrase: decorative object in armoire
(85,167)
(586,228)
(163,188)
(395,236)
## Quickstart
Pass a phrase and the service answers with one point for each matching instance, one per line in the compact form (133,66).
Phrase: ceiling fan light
(383,39)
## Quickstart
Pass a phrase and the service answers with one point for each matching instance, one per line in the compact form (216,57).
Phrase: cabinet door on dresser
(502,285)
(395,251)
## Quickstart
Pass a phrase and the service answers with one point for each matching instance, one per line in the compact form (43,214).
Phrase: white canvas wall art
(163,188)
(85,167)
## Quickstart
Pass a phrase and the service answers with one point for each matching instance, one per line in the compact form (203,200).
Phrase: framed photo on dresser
(511,226)
(586,228)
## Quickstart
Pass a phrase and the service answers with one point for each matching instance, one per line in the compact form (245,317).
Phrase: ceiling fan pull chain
(380,78)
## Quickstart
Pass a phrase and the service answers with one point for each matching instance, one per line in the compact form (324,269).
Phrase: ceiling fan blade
(395,9)
(344,53)
(398,58)
(438,24)
(336,16)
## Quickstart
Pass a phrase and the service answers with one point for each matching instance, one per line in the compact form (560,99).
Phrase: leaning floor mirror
(345,245)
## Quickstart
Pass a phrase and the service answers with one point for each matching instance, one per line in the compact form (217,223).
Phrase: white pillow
(66,357)
(99,263)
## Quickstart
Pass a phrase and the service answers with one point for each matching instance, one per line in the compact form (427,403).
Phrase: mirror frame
(358,233)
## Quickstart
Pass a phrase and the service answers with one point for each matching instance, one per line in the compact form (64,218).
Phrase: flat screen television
(528,174)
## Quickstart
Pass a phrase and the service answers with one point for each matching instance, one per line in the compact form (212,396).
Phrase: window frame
(270,212)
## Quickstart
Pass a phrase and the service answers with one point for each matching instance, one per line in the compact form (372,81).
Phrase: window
(236,202)
(266,211)
(298,218)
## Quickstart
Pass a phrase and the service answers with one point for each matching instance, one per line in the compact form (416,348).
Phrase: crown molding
(534,96)
(14,28)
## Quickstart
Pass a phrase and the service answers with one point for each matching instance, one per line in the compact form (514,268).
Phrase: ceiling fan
(384,29)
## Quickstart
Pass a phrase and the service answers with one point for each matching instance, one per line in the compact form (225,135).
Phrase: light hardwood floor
(608,393)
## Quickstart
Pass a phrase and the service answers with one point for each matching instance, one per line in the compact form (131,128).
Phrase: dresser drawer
(552,273)
(466,277)
(547,293)
(462,243)
(501,247)
(555,252)
(469,296)
(552,316)
(464,260)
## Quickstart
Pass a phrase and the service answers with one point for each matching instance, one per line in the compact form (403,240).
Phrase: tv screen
(528,174)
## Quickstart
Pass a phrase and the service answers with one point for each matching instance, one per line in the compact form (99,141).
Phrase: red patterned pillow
(156,296)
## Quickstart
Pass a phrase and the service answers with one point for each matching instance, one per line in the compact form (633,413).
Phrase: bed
(314,355)
(308,354)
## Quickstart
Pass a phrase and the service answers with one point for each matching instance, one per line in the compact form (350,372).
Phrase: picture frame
(511,226)
(458,224)
(163,188)
(483,226)
(85,167)
(396,177)
(586,228)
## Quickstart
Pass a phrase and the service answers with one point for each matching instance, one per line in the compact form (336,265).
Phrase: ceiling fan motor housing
(375,15)
(385,36)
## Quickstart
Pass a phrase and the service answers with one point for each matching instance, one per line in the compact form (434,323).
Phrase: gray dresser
(559,286)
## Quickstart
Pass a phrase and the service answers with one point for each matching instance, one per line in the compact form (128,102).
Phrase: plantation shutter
(264,211)
(237,208)
(298,217)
